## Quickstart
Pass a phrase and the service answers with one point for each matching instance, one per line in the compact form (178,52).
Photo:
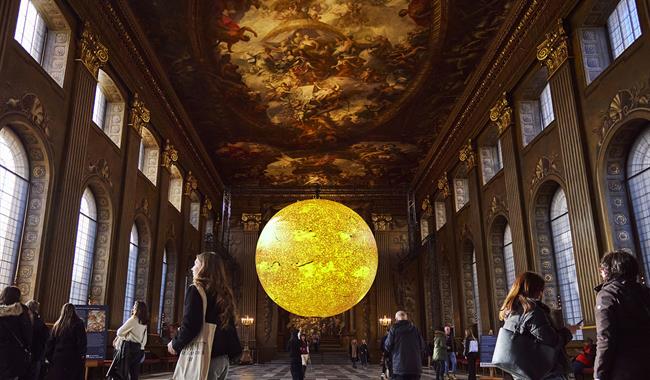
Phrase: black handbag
(24,358)
(521,355)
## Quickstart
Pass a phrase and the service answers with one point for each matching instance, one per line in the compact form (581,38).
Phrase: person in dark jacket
(363,353)
(66,349)
(40,336)
(210,274)
(622,320)
(294,348)
(450,342)
(406,347)
(386,360)
(15,335)
(471,353)
(439,354)
(523,307)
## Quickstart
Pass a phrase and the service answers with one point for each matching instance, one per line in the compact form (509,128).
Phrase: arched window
(508,256)
(149,153)
(564,261)
(195,210)
(108,108)
(131,272)
(14,191)
(475,291)
(163,289)
(638,179)
(175,195)
(84,249)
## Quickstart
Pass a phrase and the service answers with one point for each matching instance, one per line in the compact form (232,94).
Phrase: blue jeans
(451,362)
(219,368)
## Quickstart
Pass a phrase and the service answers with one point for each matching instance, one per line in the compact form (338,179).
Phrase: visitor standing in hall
(439,353)
(363,353)
(406,347)
(66,349)
(41,334)
(354,352)
(450,342)
(15,335)
(295,356)
(304,353)
(209,274)
(130,341)
(622,320)
(471,353)
(524,312)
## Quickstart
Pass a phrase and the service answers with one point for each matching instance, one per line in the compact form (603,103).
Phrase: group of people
(30,351)
(444,350)
(359,353)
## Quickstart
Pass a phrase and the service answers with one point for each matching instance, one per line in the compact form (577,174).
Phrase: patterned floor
(314,372)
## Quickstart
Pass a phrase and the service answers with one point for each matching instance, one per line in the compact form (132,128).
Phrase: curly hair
(212,277)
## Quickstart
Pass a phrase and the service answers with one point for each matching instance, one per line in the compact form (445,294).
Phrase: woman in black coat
(66,349)
(15,335)
(622,320)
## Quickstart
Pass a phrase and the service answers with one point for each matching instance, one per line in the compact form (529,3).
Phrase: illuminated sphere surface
(316,258)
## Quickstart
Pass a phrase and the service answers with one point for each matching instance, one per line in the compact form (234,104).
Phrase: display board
(486,350)
(95,319)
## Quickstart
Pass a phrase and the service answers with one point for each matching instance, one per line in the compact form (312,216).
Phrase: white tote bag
(194,360)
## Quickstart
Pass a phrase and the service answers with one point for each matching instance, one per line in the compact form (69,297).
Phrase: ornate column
(382,224)
(467,154)
(554,53)
(501,116)
(57,278)
(251,230)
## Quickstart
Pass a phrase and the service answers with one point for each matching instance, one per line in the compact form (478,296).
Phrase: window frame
(88,254)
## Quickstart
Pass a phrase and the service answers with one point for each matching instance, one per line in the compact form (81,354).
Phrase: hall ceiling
(329,92)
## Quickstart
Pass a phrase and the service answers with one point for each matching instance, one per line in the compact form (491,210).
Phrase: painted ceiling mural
(329,92)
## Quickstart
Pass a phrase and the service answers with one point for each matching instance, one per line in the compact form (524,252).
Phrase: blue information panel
(486,349)
(95,318)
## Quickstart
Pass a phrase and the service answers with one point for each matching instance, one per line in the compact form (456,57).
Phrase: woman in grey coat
(523,307)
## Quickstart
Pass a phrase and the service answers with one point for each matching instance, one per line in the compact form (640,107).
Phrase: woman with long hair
(15,335)
(524,311)
(209,273)
(130,341)
(471,353)
(66,349)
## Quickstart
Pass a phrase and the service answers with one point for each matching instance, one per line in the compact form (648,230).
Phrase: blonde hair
(527,285)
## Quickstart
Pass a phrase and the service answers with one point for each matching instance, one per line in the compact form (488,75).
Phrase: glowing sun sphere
(316,258)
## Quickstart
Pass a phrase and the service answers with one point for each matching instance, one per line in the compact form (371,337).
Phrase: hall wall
(580,152)
(69,152)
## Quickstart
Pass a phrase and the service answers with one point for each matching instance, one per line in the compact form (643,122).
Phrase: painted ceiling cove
(329,92)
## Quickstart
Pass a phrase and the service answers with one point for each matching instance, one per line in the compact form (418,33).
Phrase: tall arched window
(638,179)
(508,256)
(149,152)
(564,261)
(163,289)
(84,249)
(175,195)
(131,272)
(14,191)
(475,288)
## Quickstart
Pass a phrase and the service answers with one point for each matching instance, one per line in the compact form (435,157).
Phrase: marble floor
(314,372)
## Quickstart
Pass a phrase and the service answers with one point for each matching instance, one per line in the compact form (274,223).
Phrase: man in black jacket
(294,354)
(622,320)
(40,336)
(406,347)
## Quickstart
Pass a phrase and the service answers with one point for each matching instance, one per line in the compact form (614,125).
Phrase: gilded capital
(443,185)
(191,184)
(467,155)
(554,51)
(426,206)
(140,115)
(382,222)
(501,114)
(93,54)
(251,222)
(169,156)
(206,208)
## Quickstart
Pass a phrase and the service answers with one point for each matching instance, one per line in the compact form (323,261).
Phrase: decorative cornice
(554,51)
(101,169)
(443,185)
(624,102)
(206,208)
(191,184)
(501,114)
(140,115)
(251,222)
(467,155)
(497,206)
(30,106)
(169,156)
(382,222)
(93,53)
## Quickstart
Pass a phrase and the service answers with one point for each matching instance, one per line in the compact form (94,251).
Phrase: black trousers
(296,371)
(404,377)
(471,365)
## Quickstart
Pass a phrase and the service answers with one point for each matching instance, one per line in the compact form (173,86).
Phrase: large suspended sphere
(316,258)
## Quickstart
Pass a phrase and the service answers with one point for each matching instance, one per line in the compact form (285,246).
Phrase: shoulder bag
(520,354)
(194,361)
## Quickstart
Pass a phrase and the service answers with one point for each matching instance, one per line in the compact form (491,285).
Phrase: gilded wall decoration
(206,208)
(101,169)
(624,102)
(554,51)
(251,222)
(382,222)
(468,155)
(545,166)
(169,155)
(501,114)
(140,115)
(31,107)
(497,206)
(191,184)
(93,53)
(443,185)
